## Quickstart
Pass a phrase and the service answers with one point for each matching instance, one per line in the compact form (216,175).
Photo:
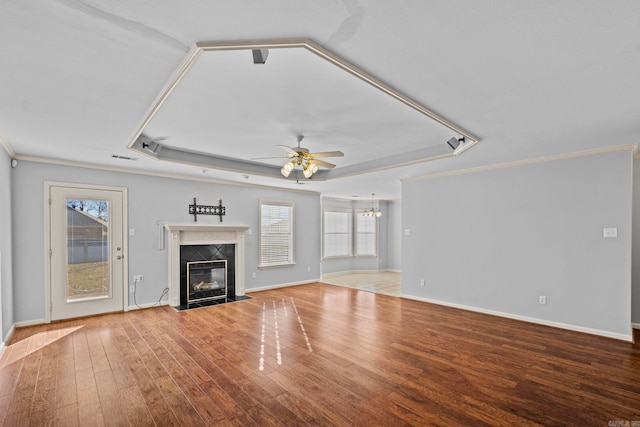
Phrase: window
(337,232)
(276,233)
(365,235)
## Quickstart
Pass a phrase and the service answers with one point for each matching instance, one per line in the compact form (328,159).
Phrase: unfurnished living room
(349,212)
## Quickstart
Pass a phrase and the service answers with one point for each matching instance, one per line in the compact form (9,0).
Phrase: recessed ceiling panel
(227,106)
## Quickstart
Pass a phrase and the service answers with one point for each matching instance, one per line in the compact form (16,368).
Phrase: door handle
(118,256)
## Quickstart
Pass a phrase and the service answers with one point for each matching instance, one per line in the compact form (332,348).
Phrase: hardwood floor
(314,355)
(386,282)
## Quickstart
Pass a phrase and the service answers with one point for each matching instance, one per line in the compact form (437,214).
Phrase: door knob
(119,257)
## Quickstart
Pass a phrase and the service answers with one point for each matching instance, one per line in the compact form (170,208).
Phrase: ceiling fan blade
(327,154)
(289,150)
(323,164)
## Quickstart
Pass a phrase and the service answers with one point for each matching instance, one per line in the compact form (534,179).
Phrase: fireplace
(207,274)
(205,248)
(206,280)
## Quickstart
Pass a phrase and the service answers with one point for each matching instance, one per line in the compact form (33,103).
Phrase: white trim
(292,232)
(575,328)
(4,144)
(30,323)
(635,325)
(147,305)
(207,46)
(532,161)
(47,240)
(281,285)
(96,166)
(3,344)
(203,234)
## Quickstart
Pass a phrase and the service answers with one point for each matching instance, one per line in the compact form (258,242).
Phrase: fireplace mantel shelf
(206,227)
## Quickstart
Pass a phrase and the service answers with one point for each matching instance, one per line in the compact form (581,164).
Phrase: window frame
(349,233)
(291,234)
(357,233)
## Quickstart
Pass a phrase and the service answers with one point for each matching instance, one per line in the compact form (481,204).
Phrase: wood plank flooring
(314,355)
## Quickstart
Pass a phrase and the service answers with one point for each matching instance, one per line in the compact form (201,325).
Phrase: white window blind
(276,233)
(365,235)
(337,233)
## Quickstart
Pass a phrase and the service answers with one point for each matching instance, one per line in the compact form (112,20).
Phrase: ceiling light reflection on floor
(276,330)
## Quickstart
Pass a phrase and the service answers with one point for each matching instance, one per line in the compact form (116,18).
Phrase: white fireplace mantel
(203,234)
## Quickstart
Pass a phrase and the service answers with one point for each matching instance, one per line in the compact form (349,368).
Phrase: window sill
(263,267)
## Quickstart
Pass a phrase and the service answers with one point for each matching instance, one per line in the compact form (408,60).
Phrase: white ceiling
(530,79)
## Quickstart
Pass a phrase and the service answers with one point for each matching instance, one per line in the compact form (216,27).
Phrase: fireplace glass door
(206,280)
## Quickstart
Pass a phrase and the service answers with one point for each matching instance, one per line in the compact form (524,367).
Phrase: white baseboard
(3,344)
(635,325)
(147,305)
(575,328)
(30,323)
(280,285)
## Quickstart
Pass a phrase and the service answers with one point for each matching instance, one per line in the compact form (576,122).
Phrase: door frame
(47,240)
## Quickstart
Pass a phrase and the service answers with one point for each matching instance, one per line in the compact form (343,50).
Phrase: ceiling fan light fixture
(314,168)
(284,171)
(307,172)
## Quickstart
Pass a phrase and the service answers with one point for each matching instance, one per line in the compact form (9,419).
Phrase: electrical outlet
(253,275)
(139,278)
(132,289)
(542,299)
(308,269)
(422,282)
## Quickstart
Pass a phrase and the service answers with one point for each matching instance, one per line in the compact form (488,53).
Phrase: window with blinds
(365,235)
(337,232)
(276,233)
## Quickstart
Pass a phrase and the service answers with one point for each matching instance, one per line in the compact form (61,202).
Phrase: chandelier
(372,211)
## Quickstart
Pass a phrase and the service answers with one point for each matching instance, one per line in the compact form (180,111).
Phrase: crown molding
(7,148)
(184,156)
(535,160)
(157,174)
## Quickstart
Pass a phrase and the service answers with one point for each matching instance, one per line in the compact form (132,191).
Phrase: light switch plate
(610,232)
(407,232)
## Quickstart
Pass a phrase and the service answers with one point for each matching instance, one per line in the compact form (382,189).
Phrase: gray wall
(6,279)
(635,270)
(497,239)
(151,200)
(394,231)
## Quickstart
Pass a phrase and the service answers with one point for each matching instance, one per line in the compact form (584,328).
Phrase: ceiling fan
(308,162)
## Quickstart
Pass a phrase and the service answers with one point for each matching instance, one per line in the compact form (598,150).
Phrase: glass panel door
(87,249)
(87,259)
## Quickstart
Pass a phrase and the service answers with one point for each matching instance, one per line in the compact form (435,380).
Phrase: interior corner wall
(496,240)
(153,200)
(394,231)
(6,247)
(635,269)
